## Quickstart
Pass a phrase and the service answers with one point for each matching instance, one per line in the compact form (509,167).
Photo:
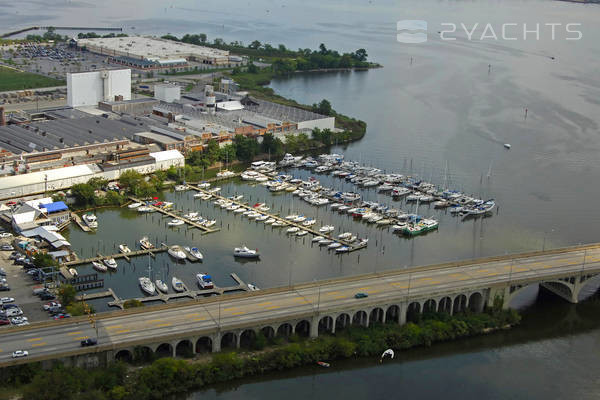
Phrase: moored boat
(204,281)
(145,243)
(147,285)
(160,285)
(110,263)
(123,248)
(245,252)
(177,252)
(98,266)
(177,284)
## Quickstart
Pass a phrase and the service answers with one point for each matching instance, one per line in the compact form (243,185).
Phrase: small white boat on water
(317,238)
(343,249)
(145,243)
(253,287)
(190,215)
(90,220)
(302,233)
(177,284)
(160,285)
(334,245)
(180,188)
(175,222)
(293,229)
(204,281)
(177,252)
(147,285)
(507,146)
(123,248)
(134,205)
(209,223)
(145,209)
(345,235)
(98,266)
(324,242)
(270,221)
(110,263)
(204,185)
(195,253)
(326,229)
(73,271)
(278,224)
(244,252)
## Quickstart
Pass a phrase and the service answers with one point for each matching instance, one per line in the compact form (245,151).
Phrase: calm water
(446,106)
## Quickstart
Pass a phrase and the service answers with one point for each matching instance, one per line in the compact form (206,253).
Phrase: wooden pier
(80,223)
(165,297)
(126,256)
(175,216)
(288,223)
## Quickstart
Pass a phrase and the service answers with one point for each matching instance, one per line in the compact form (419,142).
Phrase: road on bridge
(250,309)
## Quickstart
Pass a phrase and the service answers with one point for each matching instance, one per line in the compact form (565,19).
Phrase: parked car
(14,312)
(18,320)
(361,295)
(51,304)
(2,272)
(4,321)
(47,296)
(11,305)
(20,353)
(5,235)
(6,247)
(89,342)
(4,288)
(14,255)
(6,300)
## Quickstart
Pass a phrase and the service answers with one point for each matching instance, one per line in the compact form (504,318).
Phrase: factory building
(151,53)
(90,88)
(63,178)
(167,92)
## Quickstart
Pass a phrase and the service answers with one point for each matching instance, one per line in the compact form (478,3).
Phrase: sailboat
(146,283)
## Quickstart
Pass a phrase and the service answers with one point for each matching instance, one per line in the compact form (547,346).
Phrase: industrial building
(62,178)
(142,52)
(167,92)
(89,88)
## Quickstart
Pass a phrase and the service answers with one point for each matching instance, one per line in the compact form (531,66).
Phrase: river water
(433,104)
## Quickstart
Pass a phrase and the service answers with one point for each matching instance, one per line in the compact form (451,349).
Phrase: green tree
(78,308)
(255,45)
(66,294)
(97,183)
(42,260)
(202,37)
(252,68)
(361,55)
(170,37)
(130,180)
(323,108)
(245,147)
(84,194)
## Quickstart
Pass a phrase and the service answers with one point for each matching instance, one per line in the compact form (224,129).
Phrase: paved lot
(21,288)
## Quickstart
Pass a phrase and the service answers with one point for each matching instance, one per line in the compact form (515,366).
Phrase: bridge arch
(445,305)
(476,302)
(268,332)
(342,321)
(303,328)
(284,330)
(124,356)
(143,354)
(184,348)
(460,304)
(360,318)
(247,338)
(392,314)
(204,345)
(429,306)
(164,350)
(413,311)
(326,325)
(376,316)
(229,340)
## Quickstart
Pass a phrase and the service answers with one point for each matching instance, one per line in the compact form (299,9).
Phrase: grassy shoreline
(155,380)
(12,79)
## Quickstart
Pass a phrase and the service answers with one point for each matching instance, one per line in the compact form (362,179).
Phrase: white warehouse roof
(167,155)
(75,171)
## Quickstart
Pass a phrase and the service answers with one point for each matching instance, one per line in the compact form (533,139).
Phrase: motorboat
(167,205)
(335,206)
(301,233)
(177,252)
(134,205)
(204,281)
(326,229)
(145,243)
(190,215)
(209,223)
(110,263)
(160,285)
(215,190)
(293,229)
(398,227)
(324,242)
(252,287)
(73,271)
(317,238)
(262,218)
(270,221)
(383,222)
(300,218)
(204,185)
(147,285)
(176,222)
(90,220)
(123,248)
(195,253)
(199,195)
(334,245)
(507,146)
(180,188)
(278,224)
(400,191)
(239,210)
(177,284)
(244,252)
(291,217)
(343,249)
(309,222)
(98,266)
(345,235)
(145,209)
(225,174)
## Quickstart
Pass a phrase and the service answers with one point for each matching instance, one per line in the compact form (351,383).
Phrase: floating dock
(278,218)
(165,297)
(175,216)
(126,256)
(80,223)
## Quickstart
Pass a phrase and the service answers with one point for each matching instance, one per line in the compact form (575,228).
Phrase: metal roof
(9,182)
(55,207)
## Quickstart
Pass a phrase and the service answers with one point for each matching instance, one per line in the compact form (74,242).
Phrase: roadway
(295,302)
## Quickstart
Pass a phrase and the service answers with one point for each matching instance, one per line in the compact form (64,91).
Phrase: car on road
(5,235)
(7,247)
(89,342)
(6,300)
(20,353)
(62,316)
(360,295)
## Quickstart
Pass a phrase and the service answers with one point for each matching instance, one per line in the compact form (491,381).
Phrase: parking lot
(21,289)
